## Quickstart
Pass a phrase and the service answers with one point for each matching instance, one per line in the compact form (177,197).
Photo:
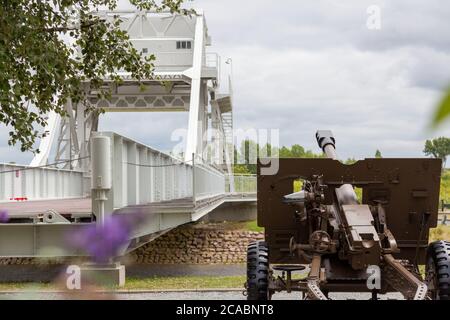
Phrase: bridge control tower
(187,79)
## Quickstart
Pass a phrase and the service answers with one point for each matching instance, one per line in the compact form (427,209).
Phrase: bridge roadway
(30,232)
(65,207)
(82,207)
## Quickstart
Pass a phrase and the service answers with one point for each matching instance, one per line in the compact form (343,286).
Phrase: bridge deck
(35,207)
(42,239)
(81,206)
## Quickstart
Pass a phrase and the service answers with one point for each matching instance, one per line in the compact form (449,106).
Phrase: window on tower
(184,45)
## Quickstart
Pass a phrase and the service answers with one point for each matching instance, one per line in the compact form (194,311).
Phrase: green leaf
(443,110)
(38,68)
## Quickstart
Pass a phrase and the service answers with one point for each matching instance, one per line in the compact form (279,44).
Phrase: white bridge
(82,176)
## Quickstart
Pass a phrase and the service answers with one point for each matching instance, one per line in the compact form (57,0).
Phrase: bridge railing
(20,182)
(208,181)
(243,183)
(142,175)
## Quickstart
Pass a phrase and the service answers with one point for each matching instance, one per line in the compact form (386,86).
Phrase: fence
(244,183)
(141,175)
(208,181)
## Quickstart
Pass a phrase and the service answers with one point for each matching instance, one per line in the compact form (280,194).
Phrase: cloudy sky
(303,65)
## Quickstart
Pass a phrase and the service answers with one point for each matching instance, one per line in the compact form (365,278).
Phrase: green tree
(240,169)
(297,151)
(249,155)
(268,151)
(438,148)
(285,152)
(378,154)
(245,159)
(49,48)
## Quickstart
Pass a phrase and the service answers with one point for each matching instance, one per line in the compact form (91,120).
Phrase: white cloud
(364,96)
(303,66)
(300,66)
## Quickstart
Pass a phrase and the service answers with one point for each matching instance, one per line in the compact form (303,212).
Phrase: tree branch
(61,29)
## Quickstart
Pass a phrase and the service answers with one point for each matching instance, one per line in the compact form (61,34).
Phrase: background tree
(245,159)
(438,148)
(350,161)
(378,154)
(297,151)
(248,155)
(48,48)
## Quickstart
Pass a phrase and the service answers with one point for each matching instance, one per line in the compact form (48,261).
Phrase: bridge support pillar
(112,274)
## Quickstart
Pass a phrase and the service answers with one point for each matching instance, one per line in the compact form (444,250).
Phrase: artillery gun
(345,244)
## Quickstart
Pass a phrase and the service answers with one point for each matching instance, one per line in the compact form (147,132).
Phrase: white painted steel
(197,97)
(101,166)
(46,142)
(142,175)
(139,174)
(34,183)
(209,182)
(192,75)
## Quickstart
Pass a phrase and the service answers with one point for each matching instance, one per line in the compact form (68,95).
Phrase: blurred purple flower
(103,243)
(4,216)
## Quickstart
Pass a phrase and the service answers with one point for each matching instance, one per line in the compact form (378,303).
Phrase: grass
(253,226)
(445,186)
(440,233)
(185,282)
(150,283)
(19,286)
(297,185)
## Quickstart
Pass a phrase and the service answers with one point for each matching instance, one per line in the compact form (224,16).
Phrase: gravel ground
(181,295)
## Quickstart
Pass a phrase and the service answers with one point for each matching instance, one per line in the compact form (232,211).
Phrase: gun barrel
(330,151)
(345,194)
(326,142)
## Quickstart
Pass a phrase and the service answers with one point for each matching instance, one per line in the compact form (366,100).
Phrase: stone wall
(200,243)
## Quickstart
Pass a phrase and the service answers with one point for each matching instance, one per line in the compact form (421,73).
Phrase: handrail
(142,175)
(23,182)
(243,183)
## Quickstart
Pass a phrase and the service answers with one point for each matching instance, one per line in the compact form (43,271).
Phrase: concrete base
(105,275)
(232,211)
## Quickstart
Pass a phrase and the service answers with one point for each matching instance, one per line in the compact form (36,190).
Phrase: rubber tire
(439,251)
(258,271)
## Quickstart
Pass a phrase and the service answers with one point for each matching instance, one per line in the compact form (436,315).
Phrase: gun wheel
(258,271)
(438,270)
